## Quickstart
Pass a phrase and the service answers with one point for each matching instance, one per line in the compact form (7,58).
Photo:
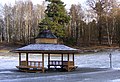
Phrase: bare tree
(21,21)
(77,16)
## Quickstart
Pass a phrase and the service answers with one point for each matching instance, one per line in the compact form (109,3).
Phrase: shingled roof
(46,34)
(47,48)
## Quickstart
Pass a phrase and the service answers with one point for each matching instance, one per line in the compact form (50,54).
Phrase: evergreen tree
(56,18)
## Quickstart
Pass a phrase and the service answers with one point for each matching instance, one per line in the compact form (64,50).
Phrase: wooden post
(48,61)
(43,63)
(27,59)
(68,57)
(62,60)
(73,60)
(19,59)
(68,62)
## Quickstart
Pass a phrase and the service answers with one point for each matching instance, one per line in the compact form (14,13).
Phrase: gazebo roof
(47,49)
(46,34)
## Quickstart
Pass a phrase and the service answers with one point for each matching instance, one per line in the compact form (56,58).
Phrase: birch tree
(21,21)
(77,15)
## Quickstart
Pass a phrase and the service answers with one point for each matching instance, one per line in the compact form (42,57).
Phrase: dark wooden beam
(68,57)
(49,51)
(68,63)
(48,61)
(62,57)
(27,58)
(62,60)
(73,59)
(19,59)
(43,63)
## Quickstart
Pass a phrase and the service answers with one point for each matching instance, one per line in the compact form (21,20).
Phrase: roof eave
(48,51)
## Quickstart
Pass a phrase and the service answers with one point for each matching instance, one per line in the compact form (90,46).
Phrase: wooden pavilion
(46,43)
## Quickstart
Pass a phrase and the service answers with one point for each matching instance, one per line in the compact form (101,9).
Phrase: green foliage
(70,41)
(55,18)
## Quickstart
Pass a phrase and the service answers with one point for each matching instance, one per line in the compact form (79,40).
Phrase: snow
(91,60)
(8,62)
(99,60)
(116,80)
(94,60)
(6,72)
(46,47)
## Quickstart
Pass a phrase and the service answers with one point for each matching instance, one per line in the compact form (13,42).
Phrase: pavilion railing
(61,63)
(35,64)
(55,63)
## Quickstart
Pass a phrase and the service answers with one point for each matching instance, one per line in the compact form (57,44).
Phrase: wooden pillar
(62,60)
(73,59)
(68,57)
(48,61)
(43,63)
(68,62)
(19,59)
(27,59)
(62,57)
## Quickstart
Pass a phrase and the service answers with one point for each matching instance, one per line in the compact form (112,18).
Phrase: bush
(70,41)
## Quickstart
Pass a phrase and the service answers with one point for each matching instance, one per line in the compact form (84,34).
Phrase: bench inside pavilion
(46,44)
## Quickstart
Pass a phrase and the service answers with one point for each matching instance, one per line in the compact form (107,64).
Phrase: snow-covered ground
(91,60)
(99,60)
(94,60)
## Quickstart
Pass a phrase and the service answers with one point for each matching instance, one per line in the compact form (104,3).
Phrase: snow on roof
(47,47)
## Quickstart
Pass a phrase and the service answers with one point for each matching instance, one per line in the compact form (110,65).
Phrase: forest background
(97,25)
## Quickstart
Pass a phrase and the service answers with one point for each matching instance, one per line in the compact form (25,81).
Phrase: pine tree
(56,18)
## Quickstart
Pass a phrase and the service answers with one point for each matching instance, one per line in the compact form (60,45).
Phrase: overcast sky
(68,2)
